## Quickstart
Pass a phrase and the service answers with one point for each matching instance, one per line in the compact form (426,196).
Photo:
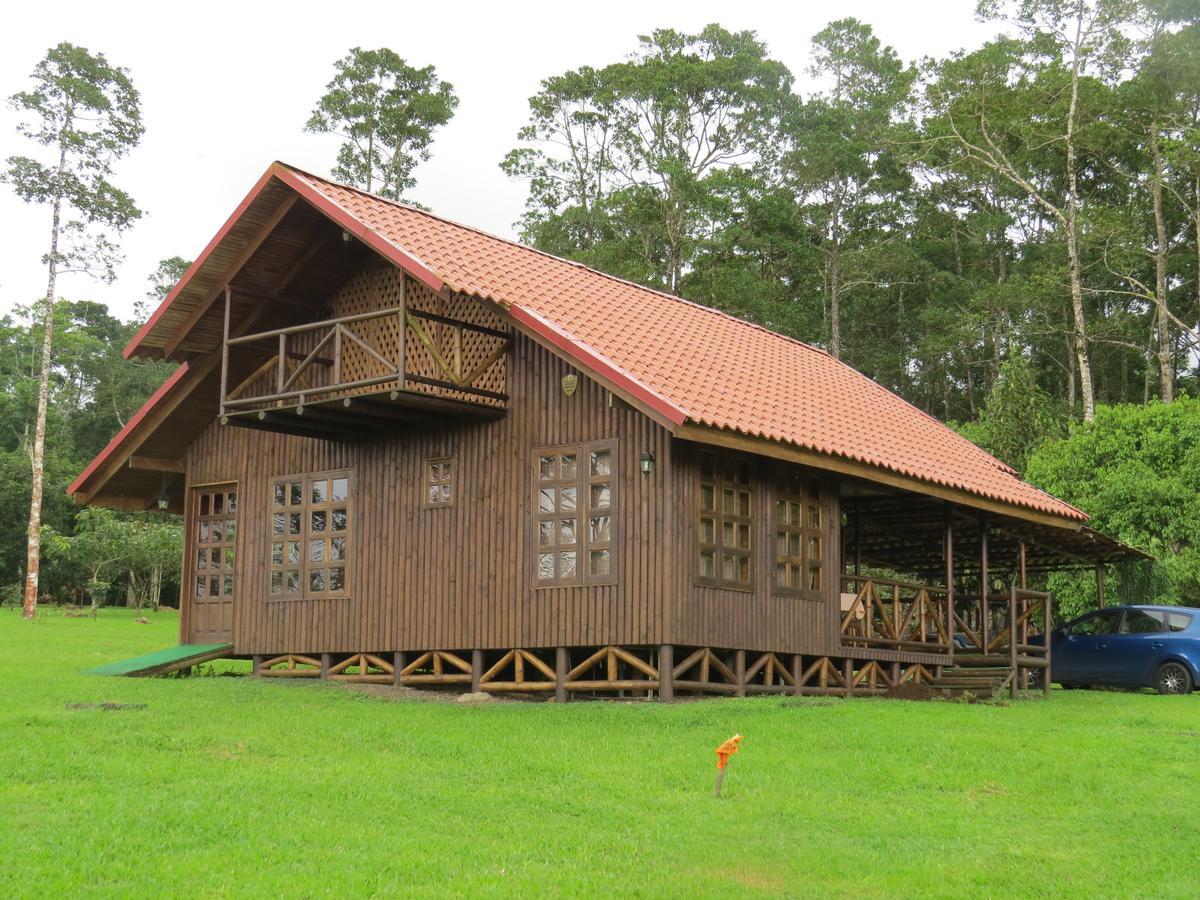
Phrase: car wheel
(1173,678)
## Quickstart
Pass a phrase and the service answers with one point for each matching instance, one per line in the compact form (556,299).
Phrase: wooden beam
(173,342)
(154,464)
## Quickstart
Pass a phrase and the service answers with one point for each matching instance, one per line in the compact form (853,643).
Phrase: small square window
(439,482)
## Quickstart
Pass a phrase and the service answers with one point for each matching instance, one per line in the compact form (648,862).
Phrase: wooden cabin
(409,451)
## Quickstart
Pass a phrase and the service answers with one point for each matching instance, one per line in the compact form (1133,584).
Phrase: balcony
(336,377)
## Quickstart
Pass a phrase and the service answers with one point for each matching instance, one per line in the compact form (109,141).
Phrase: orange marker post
(725,751)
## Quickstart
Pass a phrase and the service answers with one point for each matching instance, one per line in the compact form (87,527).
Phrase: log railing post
(949,540)
(1047,606)
(983,584)
(225,354)
(281,374)
(561,666)
(1012,639)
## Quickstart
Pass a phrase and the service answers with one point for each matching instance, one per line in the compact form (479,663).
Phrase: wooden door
(212,571)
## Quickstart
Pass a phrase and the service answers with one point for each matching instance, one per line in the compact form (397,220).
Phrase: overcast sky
(226,89)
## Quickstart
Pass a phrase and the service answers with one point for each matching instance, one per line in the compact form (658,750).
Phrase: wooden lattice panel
(368,291)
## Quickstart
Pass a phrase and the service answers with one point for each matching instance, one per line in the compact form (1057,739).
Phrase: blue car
(1130,646)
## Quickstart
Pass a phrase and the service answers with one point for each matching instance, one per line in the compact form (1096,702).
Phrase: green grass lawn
(239,786)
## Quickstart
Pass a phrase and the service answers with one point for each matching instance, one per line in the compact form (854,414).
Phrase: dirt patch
(911,691)
(109,705)
(420,695)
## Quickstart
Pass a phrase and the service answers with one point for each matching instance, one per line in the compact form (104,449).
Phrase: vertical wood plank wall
(705,616)
(457,577)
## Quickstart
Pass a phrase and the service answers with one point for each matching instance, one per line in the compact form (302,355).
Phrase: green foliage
(1136,470)
(386,110)
(1017,415)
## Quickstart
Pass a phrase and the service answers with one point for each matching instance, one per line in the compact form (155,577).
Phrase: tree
(86,112)
(983,102)
(1017,416)
(840,140)
(628,165)
(386,111)
(1136,470)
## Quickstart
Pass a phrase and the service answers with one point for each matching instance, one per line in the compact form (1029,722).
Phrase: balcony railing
(895,615)
(397,350)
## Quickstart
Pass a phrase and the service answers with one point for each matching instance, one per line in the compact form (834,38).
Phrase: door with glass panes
(210,580)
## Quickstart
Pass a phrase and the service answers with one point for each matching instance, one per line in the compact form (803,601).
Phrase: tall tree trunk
(33,534)
(835,287)
(1162,327)
(1072,228)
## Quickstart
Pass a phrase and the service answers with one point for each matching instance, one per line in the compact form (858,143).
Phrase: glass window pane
(435,494)
(566,564)
(229,557)
(447,469)
(781,575)
(215,531)
(708,564)
(230,530)
(293,523)
(341,489)
(295,493)
(316,580)
(444,493)
(814,548)
(814,516)
(201,559)
(316,551)
(601,462)
(743,537)
(203,537)
(706,497)
(599,529)
(566,532)
(781,508)
(337,549)
(794,513)
(214,585)
(231,502)
(276,582)
(201,586)
(317,521)
(743,503)
(218,506)
(601,496)
(744,569)
(293,581)
(546,497)
(339,520)
(728,504)
(280,494)
(1142,621)
(568,466)
(278,525)
(546,534)
(729,567)
(708,531)
(781,543)
(228,586)
(204,504)
(435,471)
(1178,621)
(337,579)
(293,552)
(546,468)
(215,558)
(320,491)
(814,579)
(545,566)
(599,562)
(566,499)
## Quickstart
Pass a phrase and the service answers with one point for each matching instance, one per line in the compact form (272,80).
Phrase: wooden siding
(460,576)
(761,619)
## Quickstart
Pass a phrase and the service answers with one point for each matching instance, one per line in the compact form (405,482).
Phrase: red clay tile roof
(713,368)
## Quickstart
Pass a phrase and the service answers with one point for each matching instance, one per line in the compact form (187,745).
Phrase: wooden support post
(857,536)
(325,665)
(797,671)
(225,355)
(895,674)
(476,670)
(666,673)
(949,546)
(561,666)
(983,584)
(1012,640)
(1047,608)
(1100,586)
(739,672)
(848,675)
(399,661)
(256,662)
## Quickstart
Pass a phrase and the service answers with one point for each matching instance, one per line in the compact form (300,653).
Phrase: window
(1141,621)
(1178,621)
(439,482)
(310,534)
(1104,622)
(575,499)
(723,517)
(799,536)
(216,538)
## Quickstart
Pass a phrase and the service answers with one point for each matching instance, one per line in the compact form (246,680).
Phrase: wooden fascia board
(156,464)
(134,345)
(352,225)
(718,437)
(181,333)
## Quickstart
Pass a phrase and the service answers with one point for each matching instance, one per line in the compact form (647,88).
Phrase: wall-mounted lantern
(646,462)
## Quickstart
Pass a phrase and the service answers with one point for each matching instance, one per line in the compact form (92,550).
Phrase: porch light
(646,462)
(163,501)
